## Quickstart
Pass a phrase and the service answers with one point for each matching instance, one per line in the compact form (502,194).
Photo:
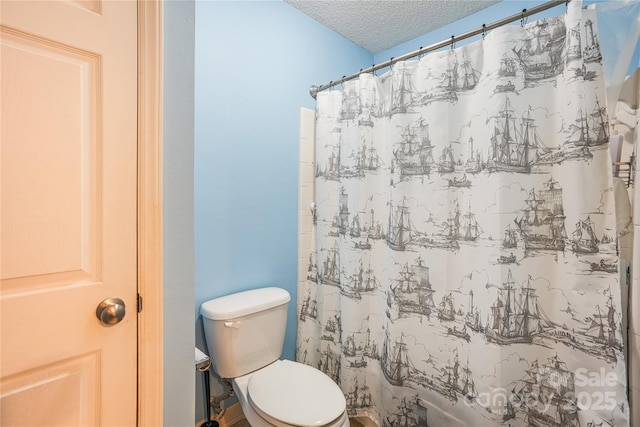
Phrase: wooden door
(68,133)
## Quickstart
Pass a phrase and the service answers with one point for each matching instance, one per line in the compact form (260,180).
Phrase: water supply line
(202,364)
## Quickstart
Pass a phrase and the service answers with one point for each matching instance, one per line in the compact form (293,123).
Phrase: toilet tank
(245,330)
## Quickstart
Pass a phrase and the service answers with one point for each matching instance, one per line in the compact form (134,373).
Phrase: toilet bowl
(287,394)
(245,336)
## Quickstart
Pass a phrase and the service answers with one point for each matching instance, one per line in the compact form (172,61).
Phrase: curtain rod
(313,90)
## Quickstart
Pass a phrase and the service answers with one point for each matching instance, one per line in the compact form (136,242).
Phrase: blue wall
(254,63)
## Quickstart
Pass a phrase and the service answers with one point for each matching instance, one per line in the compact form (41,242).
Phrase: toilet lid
(296,394)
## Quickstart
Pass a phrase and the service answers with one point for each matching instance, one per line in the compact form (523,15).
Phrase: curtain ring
(453,43)
(523,18)
(484,29)
(373,70)
(391,63)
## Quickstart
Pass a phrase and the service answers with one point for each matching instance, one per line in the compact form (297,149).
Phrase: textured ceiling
(378,25)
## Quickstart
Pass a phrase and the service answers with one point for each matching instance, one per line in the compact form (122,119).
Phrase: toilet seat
(287,393)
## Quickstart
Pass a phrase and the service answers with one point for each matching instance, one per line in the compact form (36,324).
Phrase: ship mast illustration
(406,415)
(592,45)
(541,53)
(368,159)
(412,290)
(602,329)
(445,308)
(541,221)
(584,237)
(466,77)
(359,397)
(468,386)
(395,361)
(472,229)
(332,167)
(400,227)
(507,67)
(330,274)
(446,164)
(554,385)
(343,224)
(414,154)
(330,365)
(513,150)
(354,231)
(309,308)
(349,347)
(400,92)
(350,102)
(472,318)
(363,280)
(515,320)
(510,237)
(312,271)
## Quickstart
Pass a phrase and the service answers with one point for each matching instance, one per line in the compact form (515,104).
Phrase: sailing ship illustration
(446,163)
(584,237)
(445,308)
(343,219)
(541,221)
(602,331)
(330,364)
(507,66)
(456,380)
(362,281)
(312,270)
(592,45)
(472,318)
(471,229)
(473,163)
(359,397)
(400,91)
(331,329)
(350,102)
(550,395)
(516,318)
(464,76)
(331,169)
(330,272)
(401,230)
(412,290)
(396,365)
(513,149)
(510,238)
(414,154)
(368,158)
(309,307)
(589,130)
(394,361)
(407,414)
(354,230)
(541,53)
(349,346)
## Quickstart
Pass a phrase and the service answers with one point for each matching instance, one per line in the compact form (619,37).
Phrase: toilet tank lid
(244,303)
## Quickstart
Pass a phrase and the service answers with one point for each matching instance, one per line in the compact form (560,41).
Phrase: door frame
(150,319)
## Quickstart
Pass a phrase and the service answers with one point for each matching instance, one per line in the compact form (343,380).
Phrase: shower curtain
(464,266)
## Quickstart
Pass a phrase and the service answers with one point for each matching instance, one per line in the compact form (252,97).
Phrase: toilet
(245,336)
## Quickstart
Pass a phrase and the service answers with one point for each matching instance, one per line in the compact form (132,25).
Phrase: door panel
(67,212)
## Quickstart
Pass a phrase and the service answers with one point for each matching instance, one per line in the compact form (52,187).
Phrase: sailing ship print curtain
(464,268)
